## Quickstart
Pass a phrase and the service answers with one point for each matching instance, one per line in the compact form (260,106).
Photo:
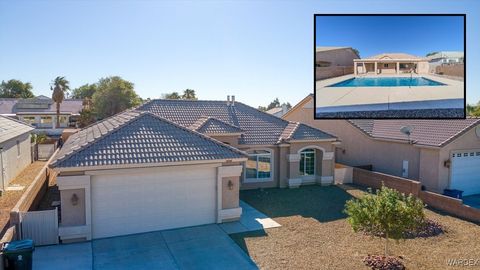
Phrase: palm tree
(61,86)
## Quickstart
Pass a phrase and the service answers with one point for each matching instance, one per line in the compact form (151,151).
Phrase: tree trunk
(386,244)
(58,115)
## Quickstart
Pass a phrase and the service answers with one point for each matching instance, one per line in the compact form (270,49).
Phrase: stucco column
(294,179)
(283,166)
(375,67)
(355,68)
(398,68)
(228,183)
(76,217)
(328,168)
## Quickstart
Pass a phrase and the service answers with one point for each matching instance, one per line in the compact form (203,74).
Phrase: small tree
(388,213)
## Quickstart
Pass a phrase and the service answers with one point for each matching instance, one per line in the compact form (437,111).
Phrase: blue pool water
(386,81)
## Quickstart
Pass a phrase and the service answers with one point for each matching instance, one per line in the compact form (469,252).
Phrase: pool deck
(350,99)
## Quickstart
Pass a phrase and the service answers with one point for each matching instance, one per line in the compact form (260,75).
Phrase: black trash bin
(454,193)
(18,255)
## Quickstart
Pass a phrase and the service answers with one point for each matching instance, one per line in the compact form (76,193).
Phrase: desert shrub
(388,213)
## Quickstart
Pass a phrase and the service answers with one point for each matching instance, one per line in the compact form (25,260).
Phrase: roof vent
(228,100)
(233,100)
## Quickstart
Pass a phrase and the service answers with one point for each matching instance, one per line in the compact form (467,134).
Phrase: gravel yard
(315,235)
(10,198)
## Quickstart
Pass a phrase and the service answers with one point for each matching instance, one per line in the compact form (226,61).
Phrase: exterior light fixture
(230,184)
(74,199)
(446,163)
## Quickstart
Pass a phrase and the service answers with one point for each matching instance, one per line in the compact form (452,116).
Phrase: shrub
(388,213)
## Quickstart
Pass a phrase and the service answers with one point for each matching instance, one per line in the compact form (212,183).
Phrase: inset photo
(389,66)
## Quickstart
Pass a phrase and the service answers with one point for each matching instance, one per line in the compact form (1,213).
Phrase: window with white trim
(259,165)
(307,162)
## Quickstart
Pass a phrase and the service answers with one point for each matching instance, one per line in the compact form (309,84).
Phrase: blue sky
(254,50)
(371,35)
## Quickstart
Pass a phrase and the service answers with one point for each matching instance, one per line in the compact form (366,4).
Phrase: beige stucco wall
(231,140)
(422,67)
(72,215)
(11,161)
(230,197)
(342,57)
(428,174)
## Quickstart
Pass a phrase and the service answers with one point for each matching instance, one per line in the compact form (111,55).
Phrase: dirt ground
(316,235)
(10,198)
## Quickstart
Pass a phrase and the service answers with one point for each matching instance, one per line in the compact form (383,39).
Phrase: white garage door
(466,172)
(156,200)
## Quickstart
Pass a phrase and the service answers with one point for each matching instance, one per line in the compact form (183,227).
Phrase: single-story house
(334,61)
(41,111)
(446,57)
(278,111)
(178,163)
(391,63)
(439,153)
(15,153)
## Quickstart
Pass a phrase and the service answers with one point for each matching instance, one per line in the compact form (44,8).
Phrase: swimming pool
(386,82)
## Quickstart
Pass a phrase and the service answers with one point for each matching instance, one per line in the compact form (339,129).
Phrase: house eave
(145,165)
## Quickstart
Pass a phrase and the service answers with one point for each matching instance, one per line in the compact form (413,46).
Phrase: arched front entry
(310,164)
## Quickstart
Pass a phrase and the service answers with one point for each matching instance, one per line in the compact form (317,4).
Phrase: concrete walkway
(346,99)
(201,247)
(251,220)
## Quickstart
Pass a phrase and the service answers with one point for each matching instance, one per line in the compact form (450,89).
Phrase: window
(259,165)
(307,162)
(18,148)
(385,65)
(29,119)
(63,119)
(46,120)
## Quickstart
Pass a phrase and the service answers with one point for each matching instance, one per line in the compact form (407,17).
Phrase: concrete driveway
(202,247)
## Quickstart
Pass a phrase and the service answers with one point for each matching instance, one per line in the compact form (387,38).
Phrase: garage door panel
(465,174)
(126,204)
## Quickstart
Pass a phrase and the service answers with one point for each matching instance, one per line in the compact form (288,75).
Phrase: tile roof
(304,132)
(136,137)
(396,56)
(11,128)
(425,132)
(324,49)
(210,125)
(259,128)
(17,106)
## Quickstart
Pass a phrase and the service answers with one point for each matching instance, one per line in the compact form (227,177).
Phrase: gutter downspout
(2,171)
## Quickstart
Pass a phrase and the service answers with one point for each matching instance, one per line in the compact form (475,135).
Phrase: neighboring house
(391,63)
(41,111)
(446,57)
(178,163)
(439,153)
(15,153)
(333,61)
(278,111)
(448,63)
